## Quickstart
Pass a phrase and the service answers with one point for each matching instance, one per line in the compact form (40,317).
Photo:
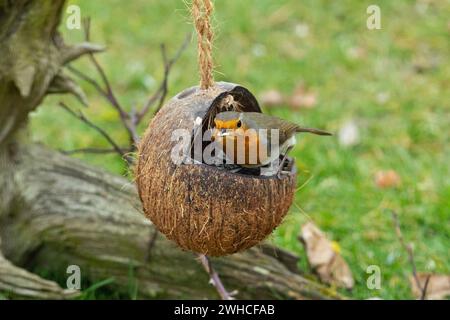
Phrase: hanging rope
(201,12)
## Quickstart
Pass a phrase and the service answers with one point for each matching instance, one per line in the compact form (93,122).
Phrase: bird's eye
(239,124)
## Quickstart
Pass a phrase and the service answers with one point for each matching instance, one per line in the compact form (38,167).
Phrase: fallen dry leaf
(438,286)
(271,98)
(302,98)
(324,257)
(387,179)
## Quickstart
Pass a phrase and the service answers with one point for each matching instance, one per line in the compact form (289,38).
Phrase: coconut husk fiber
(201,207)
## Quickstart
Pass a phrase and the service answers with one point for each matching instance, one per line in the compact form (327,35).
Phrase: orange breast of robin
(244,147)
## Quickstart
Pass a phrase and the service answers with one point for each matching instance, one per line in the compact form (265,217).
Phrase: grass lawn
(393,83)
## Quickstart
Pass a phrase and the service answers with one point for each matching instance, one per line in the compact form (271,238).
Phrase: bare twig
(161,93)
(167,66)
(79,115)
(423,296)
(107,90)
(70,53)
(111,96)
(132,119)
(214,278)
(88,79)
(409,250)
(125,118)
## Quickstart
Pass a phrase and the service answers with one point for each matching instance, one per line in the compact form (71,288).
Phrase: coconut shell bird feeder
(201,207)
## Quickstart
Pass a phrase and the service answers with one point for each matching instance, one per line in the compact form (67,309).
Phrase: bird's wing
(264,121)
(287,128)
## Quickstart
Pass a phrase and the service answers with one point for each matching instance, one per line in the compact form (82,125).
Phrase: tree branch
(108,92)
(409,251)
(161,93)
(82,117)
(88,79)
(71,53)
(63,84)
(214,278)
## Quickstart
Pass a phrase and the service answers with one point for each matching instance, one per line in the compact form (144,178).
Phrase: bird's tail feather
(314,131)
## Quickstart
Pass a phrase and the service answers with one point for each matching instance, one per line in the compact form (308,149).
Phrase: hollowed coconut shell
(203,208)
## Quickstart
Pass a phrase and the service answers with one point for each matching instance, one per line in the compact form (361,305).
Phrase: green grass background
(256,46)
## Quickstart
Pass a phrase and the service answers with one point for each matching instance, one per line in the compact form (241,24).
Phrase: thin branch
(214,278)
(87,29)
(410,253)
(161,93)
(167,66)
(88,79)
(127,119)
(79,115)
(71,53)
(107,91)
(423,296)
(132,119)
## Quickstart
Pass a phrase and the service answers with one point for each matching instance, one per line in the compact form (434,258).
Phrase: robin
(232,127)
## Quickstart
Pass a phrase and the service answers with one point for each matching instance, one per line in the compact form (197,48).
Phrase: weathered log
(17,282)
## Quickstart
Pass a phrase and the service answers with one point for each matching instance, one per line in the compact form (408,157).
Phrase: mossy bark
(56,211)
